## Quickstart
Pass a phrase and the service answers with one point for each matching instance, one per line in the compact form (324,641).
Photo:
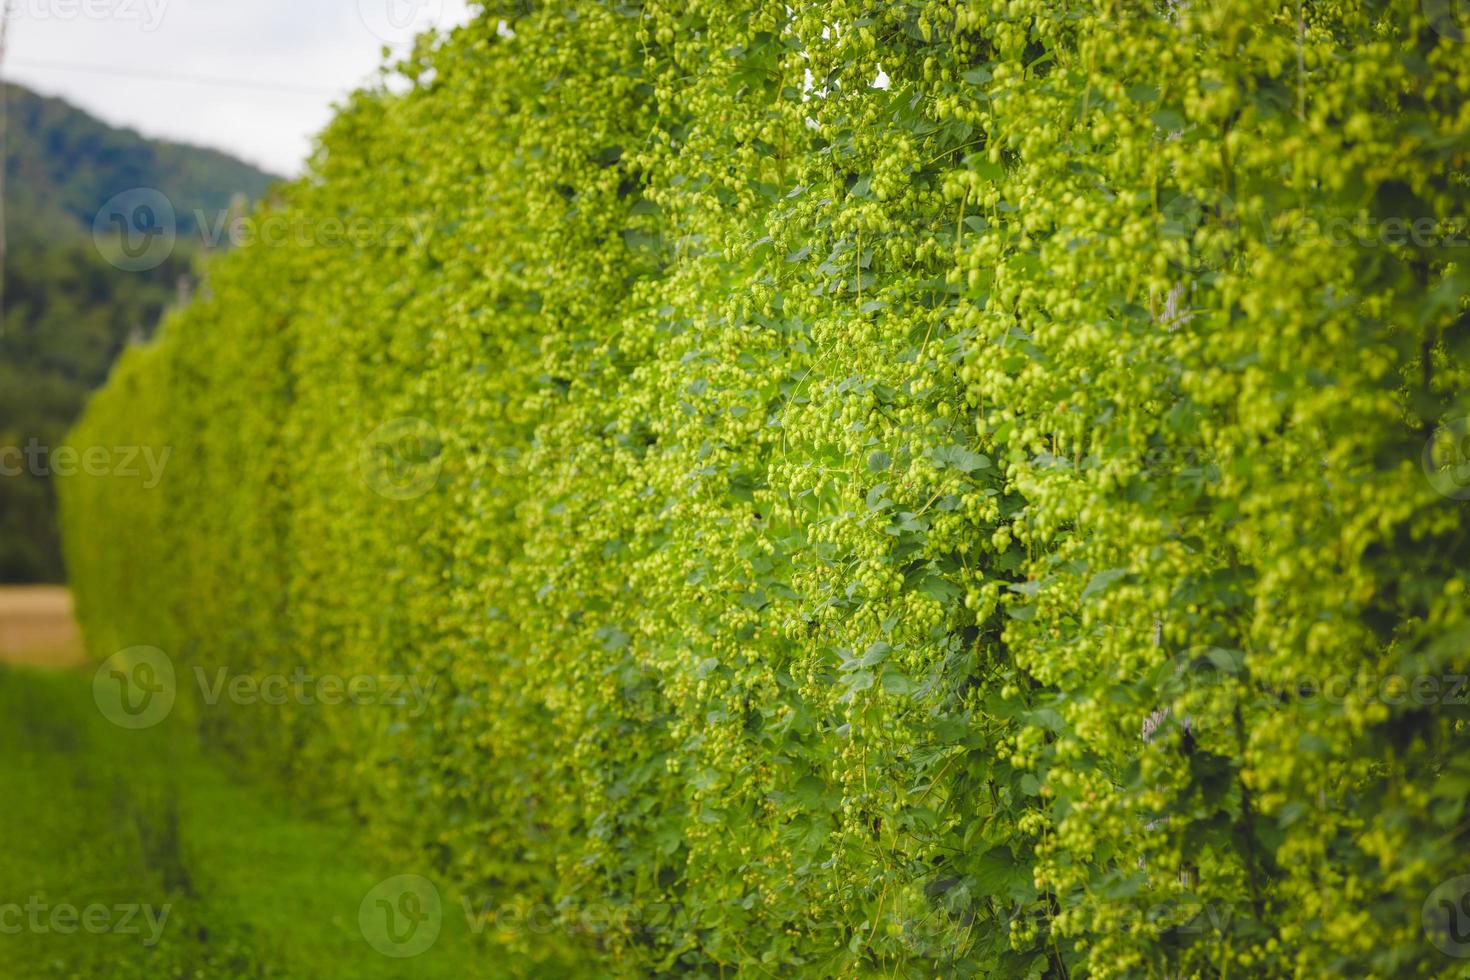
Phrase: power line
(166,76)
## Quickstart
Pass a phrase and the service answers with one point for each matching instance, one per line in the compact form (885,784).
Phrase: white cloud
(160,66)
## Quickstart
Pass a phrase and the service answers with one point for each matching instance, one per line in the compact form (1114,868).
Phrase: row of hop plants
(874,489)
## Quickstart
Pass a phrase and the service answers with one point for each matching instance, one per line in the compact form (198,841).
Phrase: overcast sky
(160,66)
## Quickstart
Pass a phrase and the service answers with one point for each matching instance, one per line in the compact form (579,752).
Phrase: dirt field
(37,628)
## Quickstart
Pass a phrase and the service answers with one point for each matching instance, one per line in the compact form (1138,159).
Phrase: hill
(68,312)
(64,164)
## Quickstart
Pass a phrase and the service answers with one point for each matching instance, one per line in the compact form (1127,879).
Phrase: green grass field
(97,816)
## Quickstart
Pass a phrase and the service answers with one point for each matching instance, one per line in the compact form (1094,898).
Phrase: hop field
(844,490)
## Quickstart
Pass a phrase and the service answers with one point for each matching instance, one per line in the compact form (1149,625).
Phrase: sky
(255,78)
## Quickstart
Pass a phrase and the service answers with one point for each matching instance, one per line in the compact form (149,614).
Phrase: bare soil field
(37,628)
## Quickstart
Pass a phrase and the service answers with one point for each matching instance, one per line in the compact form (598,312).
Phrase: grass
(95,815)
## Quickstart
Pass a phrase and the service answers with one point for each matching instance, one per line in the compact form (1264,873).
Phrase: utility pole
(4,150)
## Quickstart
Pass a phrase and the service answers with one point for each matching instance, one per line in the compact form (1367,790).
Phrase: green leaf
(1100,582)
(1169,120)
(876,654)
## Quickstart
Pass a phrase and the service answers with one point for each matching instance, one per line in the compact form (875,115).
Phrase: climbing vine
(879,489)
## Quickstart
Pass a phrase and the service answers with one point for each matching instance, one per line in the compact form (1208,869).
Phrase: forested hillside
(63,165)
(68,312)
